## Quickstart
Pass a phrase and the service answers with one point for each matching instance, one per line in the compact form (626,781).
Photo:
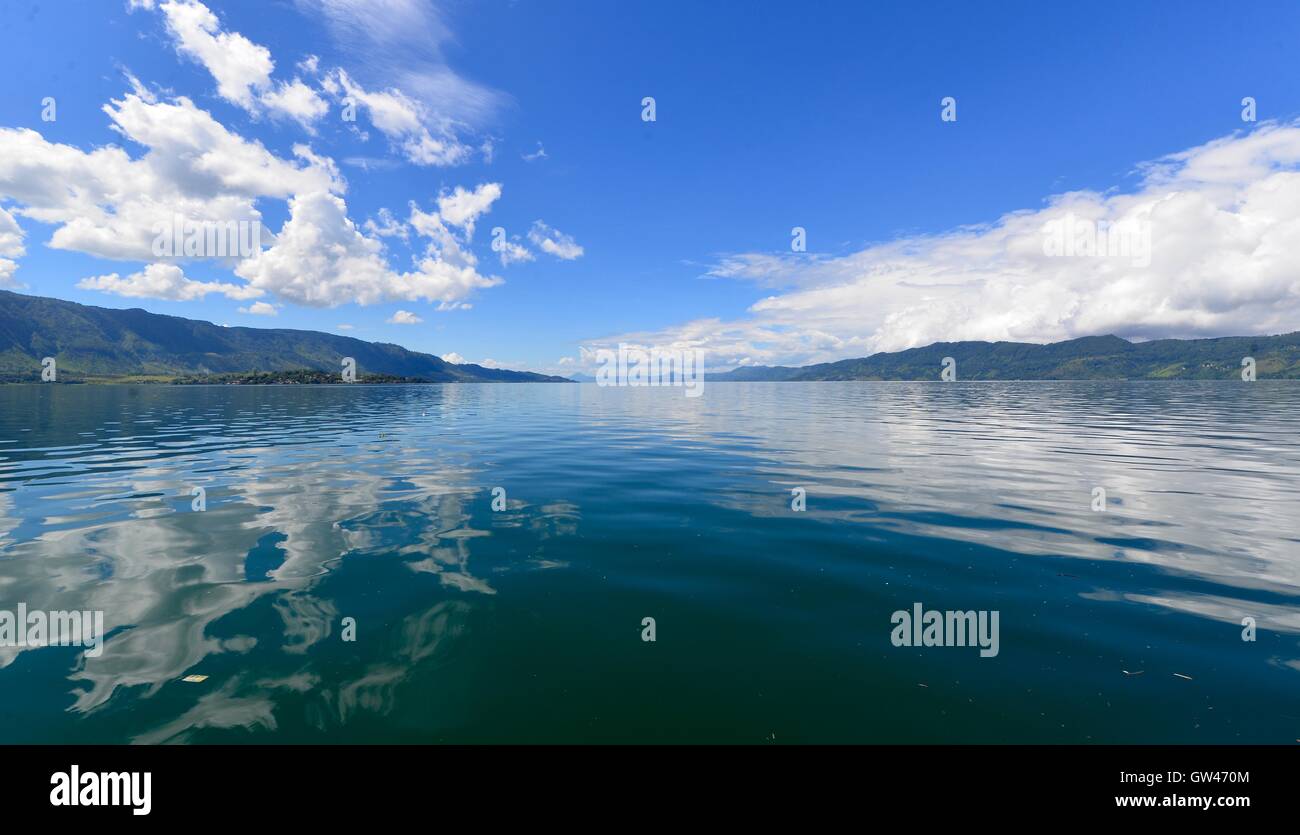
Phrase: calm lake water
(771,625)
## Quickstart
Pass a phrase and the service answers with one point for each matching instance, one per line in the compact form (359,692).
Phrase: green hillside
(1088,358)
(97,342)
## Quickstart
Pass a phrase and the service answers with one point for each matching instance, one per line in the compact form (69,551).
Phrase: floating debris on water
(1180,675)
(195,679)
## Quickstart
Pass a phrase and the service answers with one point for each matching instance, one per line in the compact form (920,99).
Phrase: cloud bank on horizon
(1224,233)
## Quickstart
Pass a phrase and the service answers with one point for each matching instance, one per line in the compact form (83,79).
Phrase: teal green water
(772,626)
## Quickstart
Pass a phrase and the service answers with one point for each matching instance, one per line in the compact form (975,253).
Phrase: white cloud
(164,281)
(554,242)
(398,43)
(404,317)
(321,259)
(409,92)
(297,101)
(260,309)
(462,207)
(454,358)
(205,156)
(1224,221)
(372,163)
(192,170)
(444,244)
(345,327)
(421,137)
(11,246)
(241,68)
(512,252)
(387,226)
(106,203)
(238,65)
(540,153)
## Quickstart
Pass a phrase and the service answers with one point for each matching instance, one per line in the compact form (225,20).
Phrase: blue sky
(769,116)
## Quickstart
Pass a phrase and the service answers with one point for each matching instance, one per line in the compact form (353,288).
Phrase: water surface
(772,626)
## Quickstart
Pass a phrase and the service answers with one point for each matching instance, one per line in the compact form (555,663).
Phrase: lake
(349,571)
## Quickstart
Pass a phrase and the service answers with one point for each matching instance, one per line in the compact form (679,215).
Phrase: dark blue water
(771,625)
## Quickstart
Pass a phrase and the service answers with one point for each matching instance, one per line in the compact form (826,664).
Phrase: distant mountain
(758,374)
(579,377)
(1088,358)
(97,342)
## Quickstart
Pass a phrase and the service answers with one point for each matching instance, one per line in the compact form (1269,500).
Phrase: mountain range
(1087,358)
(96,343)
(90,343)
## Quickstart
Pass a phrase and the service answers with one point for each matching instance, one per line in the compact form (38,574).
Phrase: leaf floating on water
(195,679)
(1180,675)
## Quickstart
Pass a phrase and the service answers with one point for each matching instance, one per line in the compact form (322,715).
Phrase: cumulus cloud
(11,246)
(241,68)
(510,251)
(321,259)
(195,171)
(11,236)
(404,317)
(260,309)
(165,281)
(237,64)
(554,242)
(454,358)
(462,207)
(408,92)
(179,167)
(387,226)
(1224,258)
(297,101)
(106,203)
